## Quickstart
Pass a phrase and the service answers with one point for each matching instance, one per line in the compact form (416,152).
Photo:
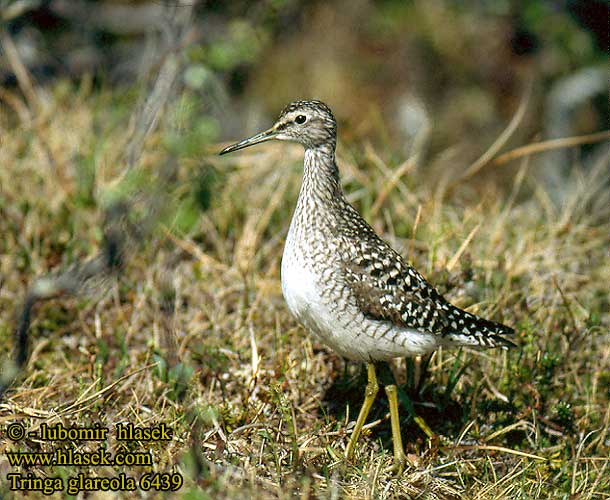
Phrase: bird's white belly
(302,294)
(299,286)
(340,325)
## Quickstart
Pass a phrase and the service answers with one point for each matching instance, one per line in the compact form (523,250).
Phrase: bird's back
(388,288)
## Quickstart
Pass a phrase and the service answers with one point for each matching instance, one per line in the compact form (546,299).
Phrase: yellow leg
(369,397)
(399,452)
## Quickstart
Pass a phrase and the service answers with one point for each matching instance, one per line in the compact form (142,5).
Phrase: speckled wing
(388,289)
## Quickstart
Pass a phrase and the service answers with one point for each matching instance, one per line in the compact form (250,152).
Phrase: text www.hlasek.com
(71,457)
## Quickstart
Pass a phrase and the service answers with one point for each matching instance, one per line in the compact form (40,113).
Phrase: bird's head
(310,123)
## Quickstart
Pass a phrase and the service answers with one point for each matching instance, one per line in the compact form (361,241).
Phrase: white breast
(298,284)
(339,324)
(301,289)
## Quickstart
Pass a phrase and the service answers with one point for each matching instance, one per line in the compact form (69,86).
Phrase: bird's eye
(300,119)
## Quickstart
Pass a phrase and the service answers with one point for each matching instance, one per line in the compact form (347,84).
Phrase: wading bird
(348,286)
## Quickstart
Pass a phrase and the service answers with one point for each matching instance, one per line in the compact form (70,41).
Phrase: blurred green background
(428,76)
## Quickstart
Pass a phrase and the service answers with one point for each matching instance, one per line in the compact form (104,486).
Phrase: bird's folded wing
(400,308)
(388,289)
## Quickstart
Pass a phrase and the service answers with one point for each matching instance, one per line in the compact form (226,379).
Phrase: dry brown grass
(259,408)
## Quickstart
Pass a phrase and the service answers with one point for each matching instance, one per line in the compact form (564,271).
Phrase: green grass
(195,333)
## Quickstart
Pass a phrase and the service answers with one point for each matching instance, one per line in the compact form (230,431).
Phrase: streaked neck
(321,175)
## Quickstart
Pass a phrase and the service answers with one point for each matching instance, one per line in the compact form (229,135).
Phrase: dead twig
(551,144)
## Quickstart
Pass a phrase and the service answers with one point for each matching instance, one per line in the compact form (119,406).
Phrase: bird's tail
(470,330)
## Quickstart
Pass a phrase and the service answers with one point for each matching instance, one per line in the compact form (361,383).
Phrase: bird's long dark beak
(250,141)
